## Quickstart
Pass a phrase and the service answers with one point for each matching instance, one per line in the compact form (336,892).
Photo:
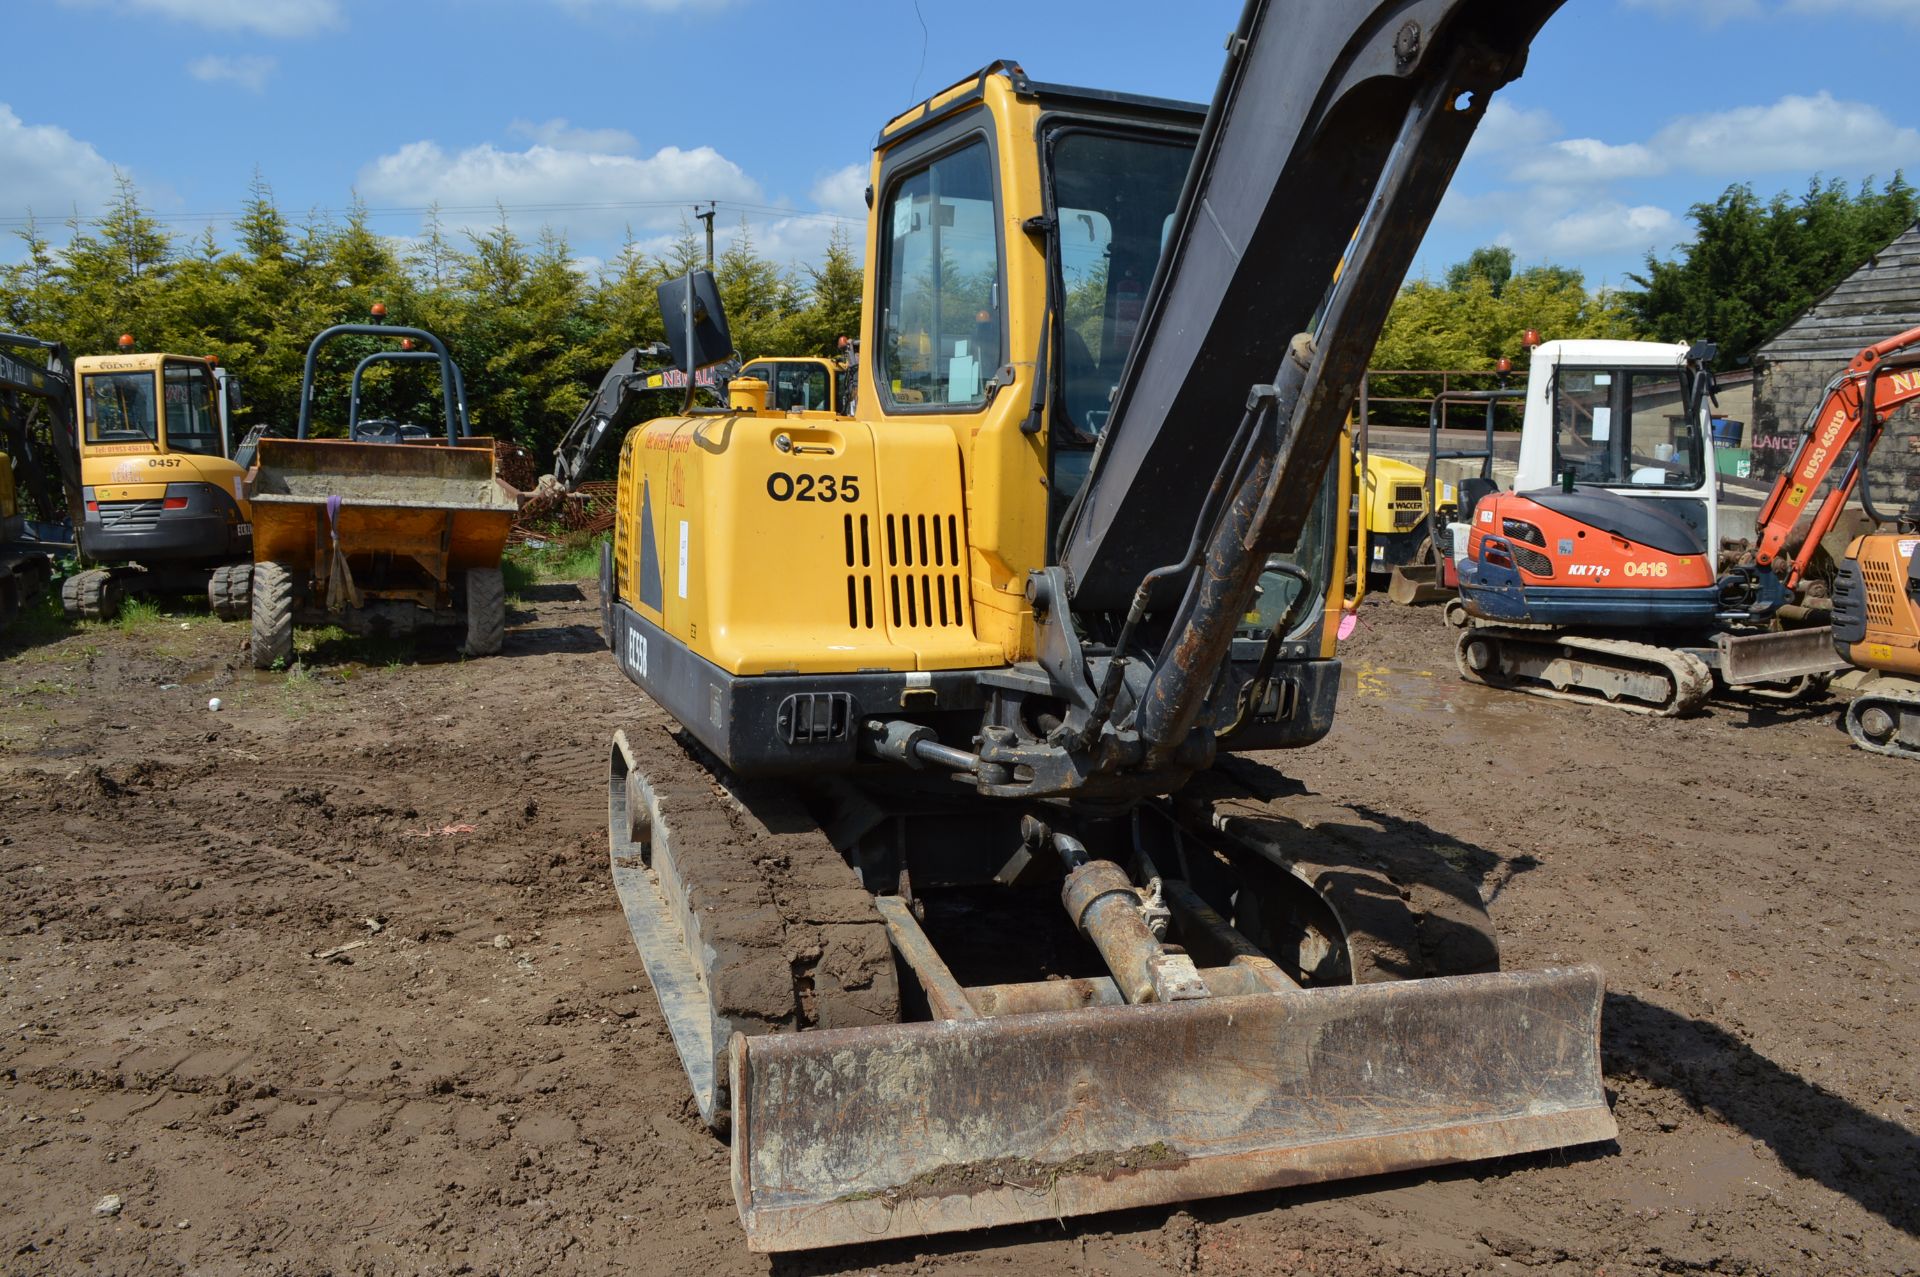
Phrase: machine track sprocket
(1886,721)
(1638,677)
(747,917)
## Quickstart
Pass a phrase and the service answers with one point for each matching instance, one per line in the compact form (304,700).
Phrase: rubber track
(1406,911)
(1901,703)
(90,595)
(788,938)
(230,591)
(1690,678)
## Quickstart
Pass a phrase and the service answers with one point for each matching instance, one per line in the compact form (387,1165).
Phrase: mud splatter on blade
(859,1134)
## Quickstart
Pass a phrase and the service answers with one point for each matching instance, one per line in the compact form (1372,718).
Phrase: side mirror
(236,398)
(695,321)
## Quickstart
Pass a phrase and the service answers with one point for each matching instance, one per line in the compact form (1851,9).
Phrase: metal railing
(1449,381)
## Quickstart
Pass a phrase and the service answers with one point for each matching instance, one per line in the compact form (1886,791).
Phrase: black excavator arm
(1325,153)
(616,401)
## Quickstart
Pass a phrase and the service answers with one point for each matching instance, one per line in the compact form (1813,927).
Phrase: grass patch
(551,562)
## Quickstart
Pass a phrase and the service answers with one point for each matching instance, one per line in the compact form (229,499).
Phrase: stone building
(1792,369)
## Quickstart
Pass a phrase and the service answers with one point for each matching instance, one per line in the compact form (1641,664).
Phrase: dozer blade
(1417,585)
(1778,656)
(853,1135)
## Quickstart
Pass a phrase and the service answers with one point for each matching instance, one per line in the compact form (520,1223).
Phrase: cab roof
(958,96)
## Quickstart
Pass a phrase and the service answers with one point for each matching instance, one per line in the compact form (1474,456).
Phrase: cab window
(795,386)
(118,407)
(1621,427)
(193,424)
(941,331)
(1114,196)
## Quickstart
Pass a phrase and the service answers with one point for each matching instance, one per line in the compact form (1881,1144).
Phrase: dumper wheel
(486,611)
(272,606)
(92,595)
(230,591)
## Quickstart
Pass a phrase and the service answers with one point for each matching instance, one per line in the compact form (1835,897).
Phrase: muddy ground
(332,979)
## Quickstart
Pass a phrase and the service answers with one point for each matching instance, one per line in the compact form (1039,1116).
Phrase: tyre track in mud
(484,1083)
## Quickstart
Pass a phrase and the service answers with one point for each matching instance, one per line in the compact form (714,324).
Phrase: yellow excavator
(165,510)
(961,892)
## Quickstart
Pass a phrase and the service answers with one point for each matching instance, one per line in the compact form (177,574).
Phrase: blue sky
(609,117)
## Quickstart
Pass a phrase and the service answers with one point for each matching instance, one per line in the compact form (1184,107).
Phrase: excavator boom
(1851,413)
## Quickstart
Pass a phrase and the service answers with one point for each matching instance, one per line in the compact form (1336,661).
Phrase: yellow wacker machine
(962,898)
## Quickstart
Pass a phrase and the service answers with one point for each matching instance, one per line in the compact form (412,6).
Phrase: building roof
(1878,301)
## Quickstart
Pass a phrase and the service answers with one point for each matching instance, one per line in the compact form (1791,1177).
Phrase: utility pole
(707,217)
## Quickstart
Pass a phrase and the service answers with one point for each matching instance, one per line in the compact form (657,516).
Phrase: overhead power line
(461,210)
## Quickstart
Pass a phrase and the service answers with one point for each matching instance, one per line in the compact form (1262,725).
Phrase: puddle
(1436,693)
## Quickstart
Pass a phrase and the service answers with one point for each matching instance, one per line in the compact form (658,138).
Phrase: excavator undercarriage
(1218,1039)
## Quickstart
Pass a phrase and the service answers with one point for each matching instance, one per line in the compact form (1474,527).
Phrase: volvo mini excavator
(960,908)
(1596,577)
(164,511)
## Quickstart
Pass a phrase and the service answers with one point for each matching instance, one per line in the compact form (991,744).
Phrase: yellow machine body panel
(9,503)
(773,544)
(1393,495)
(1892,642)
(1004,466)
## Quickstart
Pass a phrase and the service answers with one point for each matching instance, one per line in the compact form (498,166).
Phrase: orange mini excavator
(1580,590)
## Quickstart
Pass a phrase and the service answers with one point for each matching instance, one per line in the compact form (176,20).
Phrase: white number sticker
(636,653)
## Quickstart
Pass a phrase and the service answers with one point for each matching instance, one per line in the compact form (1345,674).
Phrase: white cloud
(1506,128)
(1795,134)
(594,195)
(843,191)
(1586,159)
(249,71)
(1601,229)
(283,18)
(49,171)
(562,136)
